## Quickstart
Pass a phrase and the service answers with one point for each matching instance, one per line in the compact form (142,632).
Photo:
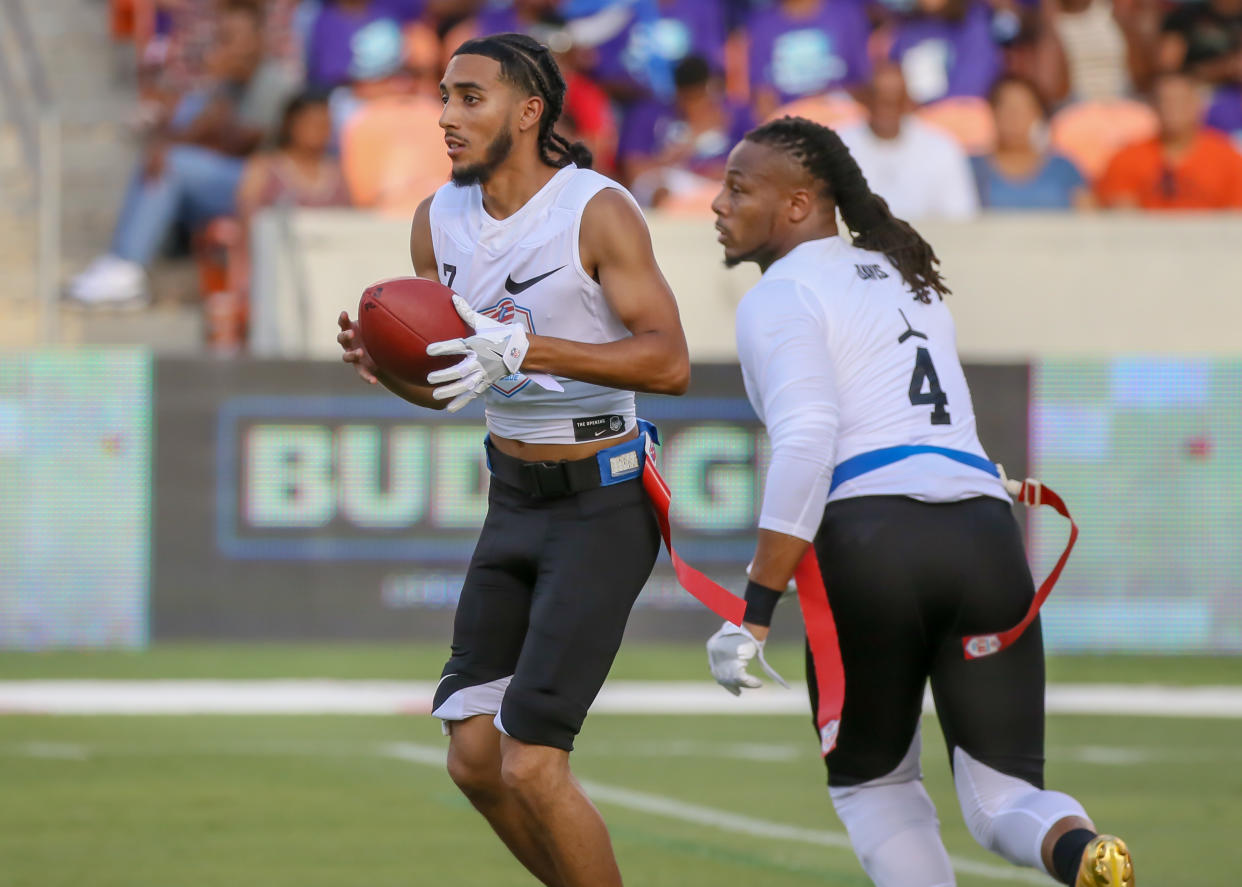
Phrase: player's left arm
(776,558)
(783,348)
(783,344)
(615,248)
(731,649)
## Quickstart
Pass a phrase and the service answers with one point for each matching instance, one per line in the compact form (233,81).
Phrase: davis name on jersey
(528,268)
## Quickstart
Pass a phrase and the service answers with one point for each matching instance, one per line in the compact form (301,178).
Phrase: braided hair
(528,65)
(821,153)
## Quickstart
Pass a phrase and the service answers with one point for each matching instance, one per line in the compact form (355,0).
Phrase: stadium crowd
(950,106)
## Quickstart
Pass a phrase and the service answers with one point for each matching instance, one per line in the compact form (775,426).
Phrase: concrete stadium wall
(1025,286)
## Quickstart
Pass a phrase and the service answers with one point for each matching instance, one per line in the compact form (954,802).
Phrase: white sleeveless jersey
(839,360)
(527,268)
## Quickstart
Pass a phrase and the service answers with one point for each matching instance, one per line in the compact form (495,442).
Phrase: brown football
(399,318)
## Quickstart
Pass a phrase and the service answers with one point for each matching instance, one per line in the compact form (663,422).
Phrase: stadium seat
(967,118)
(392,152)
(1090,133)
(832,109)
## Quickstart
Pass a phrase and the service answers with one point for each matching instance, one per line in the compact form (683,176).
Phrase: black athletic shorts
(544,605)
(906,580)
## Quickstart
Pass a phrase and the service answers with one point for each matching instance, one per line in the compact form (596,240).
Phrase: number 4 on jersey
(925,371)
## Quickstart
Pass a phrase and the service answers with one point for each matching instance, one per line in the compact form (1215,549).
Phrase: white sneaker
(110,280)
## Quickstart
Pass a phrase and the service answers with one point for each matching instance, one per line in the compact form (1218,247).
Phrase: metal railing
(30,106)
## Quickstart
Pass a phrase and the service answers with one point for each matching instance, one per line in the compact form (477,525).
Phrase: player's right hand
(494,351)
(355,352)
(729,653)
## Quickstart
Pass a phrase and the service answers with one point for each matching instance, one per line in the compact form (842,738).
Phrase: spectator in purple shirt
(677,146)
(517,17)
(346,29)
(799,48)
(680,28)
(946,48)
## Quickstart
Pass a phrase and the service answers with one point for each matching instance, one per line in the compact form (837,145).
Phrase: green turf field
(359,802)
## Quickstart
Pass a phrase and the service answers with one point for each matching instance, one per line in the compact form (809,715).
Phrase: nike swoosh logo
(513,287)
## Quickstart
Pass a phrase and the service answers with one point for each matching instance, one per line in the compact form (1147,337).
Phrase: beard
(478,173)
(760,255)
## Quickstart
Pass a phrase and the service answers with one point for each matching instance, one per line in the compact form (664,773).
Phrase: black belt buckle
(548,479)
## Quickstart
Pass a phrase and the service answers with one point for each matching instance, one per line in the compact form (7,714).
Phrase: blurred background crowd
(952,107)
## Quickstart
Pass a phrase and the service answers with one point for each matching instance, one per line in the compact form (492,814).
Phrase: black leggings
(546,600)
(906,580)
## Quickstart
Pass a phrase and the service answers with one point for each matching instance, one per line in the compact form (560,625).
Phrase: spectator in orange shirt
(1185,166)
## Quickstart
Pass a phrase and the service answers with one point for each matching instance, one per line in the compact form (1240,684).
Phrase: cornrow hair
(821,153)
(528,64)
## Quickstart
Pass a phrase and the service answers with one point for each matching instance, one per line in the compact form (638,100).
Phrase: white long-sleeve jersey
(840,361)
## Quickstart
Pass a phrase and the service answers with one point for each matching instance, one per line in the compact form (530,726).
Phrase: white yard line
(57,751)
(176,697)
(315,697)
(722,820)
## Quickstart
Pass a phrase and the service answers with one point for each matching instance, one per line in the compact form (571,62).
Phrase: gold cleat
(1106,863)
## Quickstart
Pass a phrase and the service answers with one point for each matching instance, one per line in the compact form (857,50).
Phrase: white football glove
(729,652)
(495,350)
